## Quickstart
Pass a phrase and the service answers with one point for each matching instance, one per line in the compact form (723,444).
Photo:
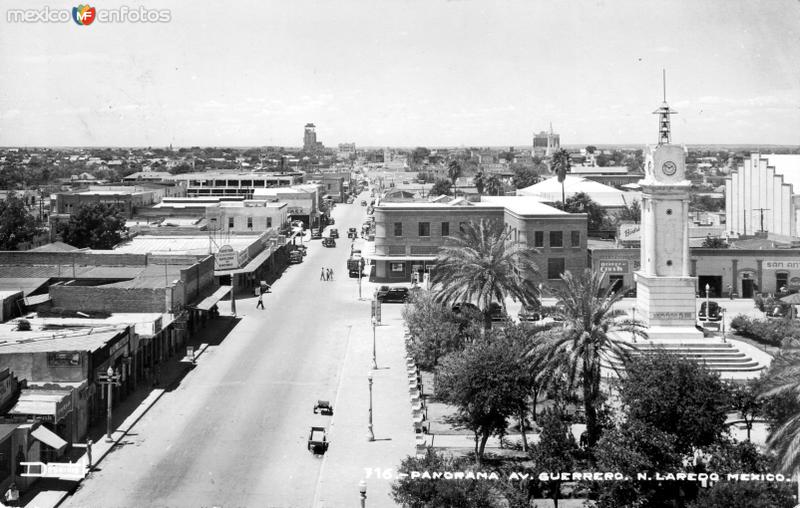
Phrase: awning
(49,438)
(49,405)
(375,257)
(209,301)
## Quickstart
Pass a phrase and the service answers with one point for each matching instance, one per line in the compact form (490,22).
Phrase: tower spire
(664,133)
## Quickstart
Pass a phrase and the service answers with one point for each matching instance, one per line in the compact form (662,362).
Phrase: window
(555,267)
(230,223)
(397,267)
(576,238)
(538,238)
(398,229)
(445,229)
(249,223)
(269,222)
(556,238)
(424,229)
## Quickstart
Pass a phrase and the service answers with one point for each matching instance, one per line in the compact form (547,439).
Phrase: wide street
(234,431)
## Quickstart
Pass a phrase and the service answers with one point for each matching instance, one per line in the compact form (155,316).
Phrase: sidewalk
(351,457)
(50,492)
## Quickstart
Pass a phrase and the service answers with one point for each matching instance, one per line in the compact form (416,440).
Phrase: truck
(355,265)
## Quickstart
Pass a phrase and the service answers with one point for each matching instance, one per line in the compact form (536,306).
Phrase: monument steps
(720,357)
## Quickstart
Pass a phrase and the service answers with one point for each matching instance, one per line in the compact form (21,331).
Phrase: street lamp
(370,434)
(708,309)
(374,359)
(111,379)
(362,489)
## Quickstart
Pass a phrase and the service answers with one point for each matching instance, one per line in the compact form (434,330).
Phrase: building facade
(408,235)
(760,196)
(235,183)
(546,144)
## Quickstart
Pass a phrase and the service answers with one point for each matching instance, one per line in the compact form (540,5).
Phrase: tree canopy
(441,188)
(583,203)
(97,226)
(16,224)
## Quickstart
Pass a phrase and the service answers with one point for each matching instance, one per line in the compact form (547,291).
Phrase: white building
(246,216)
(760,196)
(607,197)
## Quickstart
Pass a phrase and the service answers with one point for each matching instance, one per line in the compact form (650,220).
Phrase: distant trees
(524,176)
(494,187)
(97,226)
(454,171)
(632,212)
(16,224)
(441,187)
(714,242)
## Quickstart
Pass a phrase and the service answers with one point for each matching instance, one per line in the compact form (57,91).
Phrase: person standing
(89,453)
(322,273)
(730,291)
(260,301)
(11,497)
(330,274)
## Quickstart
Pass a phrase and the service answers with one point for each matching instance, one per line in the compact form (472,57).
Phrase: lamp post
(370,434)
(723,325)
(362,489)
(374,358)
(707,306)
(111,379)
(633,319)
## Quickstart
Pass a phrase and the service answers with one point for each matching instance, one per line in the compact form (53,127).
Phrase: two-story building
(234,183)
(408,235)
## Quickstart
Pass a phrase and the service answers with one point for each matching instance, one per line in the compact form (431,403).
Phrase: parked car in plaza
(529,313)
(316,234)
(713,312)
(394,295)
(334,233)
(381,291)
(328,242)
(352,233)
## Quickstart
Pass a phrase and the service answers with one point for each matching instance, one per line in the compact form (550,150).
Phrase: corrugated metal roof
(39,342)
(194,245)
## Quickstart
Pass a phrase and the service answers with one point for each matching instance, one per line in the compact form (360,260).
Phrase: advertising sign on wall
(226,258)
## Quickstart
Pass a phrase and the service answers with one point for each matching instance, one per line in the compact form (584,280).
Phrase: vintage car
(334,233)
(318,440)
(328,242)
(323,407)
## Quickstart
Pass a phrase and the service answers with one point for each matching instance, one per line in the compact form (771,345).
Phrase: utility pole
(111,379)
(762,210)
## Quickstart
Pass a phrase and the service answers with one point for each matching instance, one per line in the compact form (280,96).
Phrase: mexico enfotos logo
(85,15)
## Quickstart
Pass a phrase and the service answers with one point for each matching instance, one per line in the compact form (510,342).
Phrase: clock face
(669,168)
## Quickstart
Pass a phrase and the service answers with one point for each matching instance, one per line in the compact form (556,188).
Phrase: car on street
(328,242)
(363,202)
(334,233)
(713,312)
(350,201)
(529,313)
(352,233)
(381,291)
(295,257)
(394,295)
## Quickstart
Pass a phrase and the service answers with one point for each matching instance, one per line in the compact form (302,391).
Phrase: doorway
(714,285)
(747,288)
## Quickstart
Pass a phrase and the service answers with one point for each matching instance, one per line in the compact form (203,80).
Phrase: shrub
(23,325)
(771,332)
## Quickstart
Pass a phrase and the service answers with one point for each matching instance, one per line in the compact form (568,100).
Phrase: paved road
(234,432)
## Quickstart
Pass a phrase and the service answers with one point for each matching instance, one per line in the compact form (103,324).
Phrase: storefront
(53,408)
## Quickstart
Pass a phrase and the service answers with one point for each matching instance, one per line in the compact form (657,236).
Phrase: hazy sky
(404,73)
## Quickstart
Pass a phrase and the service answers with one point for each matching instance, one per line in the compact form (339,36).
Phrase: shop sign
(54,469)
(629,231)
(64,359)
(63,408)
(782,264)
(614,266)
(226,258)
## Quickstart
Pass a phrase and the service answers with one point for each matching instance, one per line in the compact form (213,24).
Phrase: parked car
(352,233)
(363,202)
(528,313)
(713,312)
(331,221)
(350,200)
(334,233)
(328,242)
(295,257)
(316,234)
(497,313)
(394,295)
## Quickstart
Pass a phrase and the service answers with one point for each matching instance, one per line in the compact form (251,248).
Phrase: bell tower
(665,290)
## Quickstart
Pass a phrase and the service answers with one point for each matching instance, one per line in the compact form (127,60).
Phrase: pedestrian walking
(260,301)
(89,453)
(730,291)
(11,497)
(322,273)
(330,274)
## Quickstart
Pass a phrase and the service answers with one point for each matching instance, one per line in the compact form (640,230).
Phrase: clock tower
(665,290)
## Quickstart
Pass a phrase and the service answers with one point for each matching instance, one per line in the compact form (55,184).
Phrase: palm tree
(479,181)
(560,165)
(480,265)
(454,171)
(784,378)
(494,187)
(586,342)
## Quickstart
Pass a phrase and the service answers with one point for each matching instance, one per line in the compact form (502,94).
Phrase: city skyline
(456,73)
